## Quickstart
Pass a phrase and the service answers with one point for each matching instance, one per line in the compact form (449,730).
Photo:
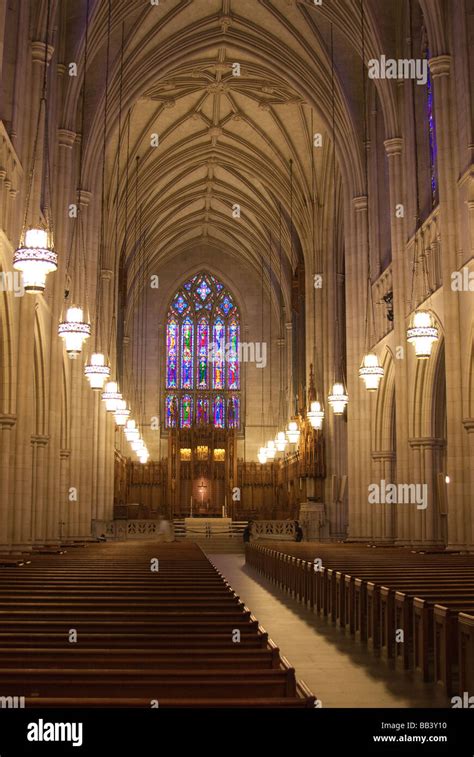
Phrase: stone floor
(340,672)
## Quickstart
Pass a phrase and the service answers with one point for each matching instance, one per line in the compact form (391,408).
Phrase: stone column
(359,408)
(383,514)
(66,141)
(458,462)
(64,512)
(7,426)
(39,443)
(394,149)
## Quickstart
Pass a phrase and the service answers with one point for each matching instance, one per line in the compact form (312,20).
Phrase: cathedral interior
(236,311)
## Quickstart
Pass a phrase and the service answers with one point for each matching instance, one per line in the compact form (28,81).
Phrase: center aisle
(342,673)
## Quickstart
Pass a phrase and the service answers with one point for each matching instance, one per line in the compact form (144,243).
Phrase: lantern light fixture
(281,441)
(271,450)
(371,372)
(262,455)
(422,334)
(131,431)
(293,432)
(74,330)
(35,258)
(338,399)
(111,396)
(121,413)
(316,415)
(97,372)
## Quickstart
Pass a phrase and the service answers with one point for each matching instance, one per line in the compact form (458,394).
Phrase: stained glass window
(431,134)
(186,411)
(218,354)
(233,412)
(171,411)
(219,417)
(172,354)
(202,411)
(232,355)
(187,353)
(203,350)
(202,356)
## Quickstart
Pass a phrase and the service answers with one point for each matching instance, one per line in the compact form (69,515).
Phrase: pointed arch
(202,345)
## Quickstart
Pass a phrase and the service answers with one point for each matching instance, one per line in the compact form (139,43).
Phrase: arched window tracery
(202,356)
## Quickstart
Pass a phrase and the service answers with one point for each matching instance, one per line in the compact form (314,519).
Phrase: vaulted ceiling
(224,139)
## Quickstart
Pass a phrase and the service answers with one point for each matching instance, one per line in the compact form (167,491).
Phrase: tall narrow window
(218,353)
(187,353)
(172,333)
(202,356)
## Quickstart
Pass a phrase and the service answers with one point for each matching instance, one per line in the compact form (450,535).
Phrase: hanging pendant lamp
(293,432)
(97,372)
(35,258)
(111,396)
(262,455)
(281,441)
(271,450)
(131,431)
(422,334)
(371,372)
(74,330)
(338,399)
(316,415)
(121,413)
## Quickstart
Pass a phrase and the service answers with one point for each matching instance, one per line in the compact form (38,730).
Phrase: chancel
(236,343)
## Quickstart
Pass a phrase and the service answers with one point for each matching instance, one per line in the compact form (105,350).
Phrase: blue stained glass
(226,305)
(218,356)
(203,352)
(202,411)
(186,411)
(171,411)
(232,355)
(233,412)
(432,134)
(203,290)
(180,304)
(187,353)
(202,348)
(172,332)
(219,420)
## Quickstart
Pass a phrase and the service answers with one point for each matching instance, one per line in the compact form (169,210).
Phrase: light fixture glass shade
(316,415)
(262,455)
(35,259)
(144,458)
(338,399)
(371,372)
(423,334)
(97,372)
(138,445)
(271,450)
(281,441)
(74,330)
(121,413)
(293,432)
(111,396)
(131,431)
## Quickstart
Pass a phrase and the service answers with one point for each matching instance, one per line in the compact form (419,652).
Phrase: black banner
(139,733)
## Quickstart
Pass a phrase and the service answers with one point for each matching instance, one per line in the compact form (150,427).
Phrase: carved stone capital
(7,420)
(440,66)
(393,146)
(66,137)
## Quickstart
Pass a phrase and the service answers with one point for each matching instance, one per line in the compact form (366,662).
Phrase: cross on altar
(201,489)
